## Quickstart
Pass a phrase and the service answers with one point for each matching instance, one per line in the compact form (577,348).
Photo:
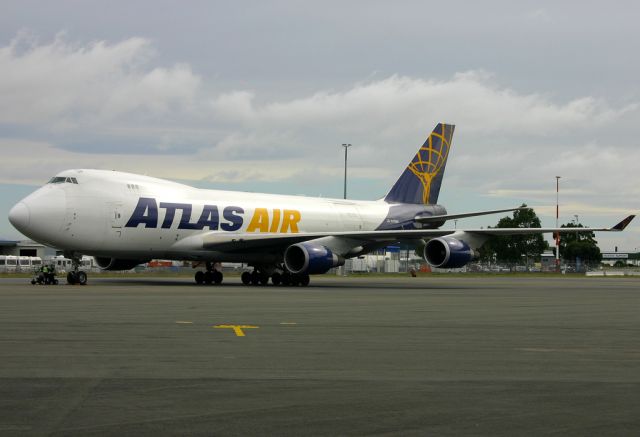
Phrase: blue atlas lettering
(171,213)
(235,221)
(209,218)
(145,213)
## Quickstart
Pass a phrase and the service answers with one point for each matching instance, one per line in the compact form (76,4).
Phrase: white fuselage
(96,216)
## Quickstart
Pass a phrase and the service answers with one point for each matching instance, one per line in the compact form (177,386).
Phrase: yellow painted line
(182,322)
(238,329)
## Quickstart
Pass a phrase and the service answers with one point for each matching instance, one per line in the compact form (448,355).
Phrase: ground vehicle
(8,263)
(45,276)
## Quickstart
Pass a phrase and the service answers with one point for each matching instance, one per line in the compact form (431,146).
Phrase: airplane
(125,219)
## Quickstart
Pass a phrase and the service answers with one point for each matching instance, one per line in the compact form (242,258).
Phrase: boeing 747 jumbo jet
(124,219)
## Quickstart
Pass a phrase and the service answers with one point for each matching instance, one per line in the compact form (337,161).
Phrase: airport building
(24,248)
(611,258)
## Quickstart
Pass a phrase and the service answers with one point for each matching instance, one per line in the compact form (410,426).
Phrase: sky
(259,96)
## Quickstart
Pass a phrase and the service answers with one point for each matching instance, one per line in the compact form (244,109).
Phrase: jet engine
(117,263)
(309,258)
(448,253)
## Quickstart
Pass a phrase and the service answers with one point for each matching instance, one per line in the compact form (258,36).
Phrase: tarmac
(345,356)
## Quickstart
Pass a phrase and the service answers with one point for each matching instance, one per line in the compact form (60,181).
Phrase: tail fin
(420,182)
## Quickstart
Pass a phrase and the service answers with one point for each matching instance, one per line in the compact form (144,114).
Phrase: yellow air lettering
(290,220)
(259,221)
(276,221)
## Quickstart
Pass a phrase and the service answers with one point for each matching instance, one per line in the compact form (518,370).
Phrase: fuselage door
(350,219)
(116,217)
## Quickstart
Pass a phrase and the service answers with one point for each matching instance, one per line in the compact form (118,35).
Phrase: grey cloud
(67,85)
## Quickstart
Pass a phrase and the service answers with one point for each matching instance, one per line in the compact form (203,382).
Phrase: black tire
(199,277)
(217,277)
(255,278)
(263,279)
(33,282)
(82,278)
(304,280)
(276,278)
(72,278)
(207,278)
(246,278)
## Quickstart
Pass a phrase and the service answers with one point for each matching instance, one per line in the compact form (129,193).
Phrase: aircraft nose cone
(19,216)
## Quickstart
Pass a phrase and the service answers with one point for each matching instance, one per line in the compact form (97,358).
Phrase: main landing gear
(76,276)
(261,277)
(208,277)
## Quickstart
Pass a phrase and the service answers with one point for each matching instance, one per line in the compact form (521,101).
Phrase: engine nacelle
(448,253)
(310,259)
(117,263)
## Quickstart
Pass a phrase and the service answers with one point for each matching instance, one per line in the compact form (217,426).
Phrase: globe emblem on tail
(430,160)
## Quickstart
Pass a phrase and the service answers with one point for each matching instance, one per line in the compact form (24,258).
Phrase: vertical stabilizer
(420,182)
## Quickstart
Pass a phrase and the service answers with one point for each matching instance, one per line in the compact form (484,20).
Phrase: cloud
(470,99)
(65,89)
(26,166)
(65,85)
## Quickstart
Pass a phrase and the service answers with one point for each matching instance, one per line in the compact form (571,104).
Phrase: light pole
(557,223)
(346,148)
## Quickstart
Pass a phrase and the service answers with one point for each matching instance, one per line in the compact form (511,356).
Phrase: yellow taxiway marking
(182,322)
(238,329)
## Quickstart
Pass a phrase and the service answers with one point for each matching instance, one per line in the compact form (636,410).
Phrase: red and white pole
(557,223)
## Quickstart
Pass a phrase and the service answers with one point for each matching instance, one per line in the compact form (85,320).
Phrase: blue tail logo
(421,180)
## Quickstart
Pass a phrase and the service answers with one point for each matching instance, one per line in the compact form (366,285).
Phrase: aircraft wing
(519,231)
(224,241)
(444,218)
(243,242)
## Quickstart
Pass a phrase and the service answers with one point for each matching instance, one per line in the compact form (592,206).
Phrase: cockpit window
(62,180)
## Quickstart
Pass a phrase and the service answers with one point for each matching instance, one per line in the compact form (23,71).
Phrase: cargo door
(350,218)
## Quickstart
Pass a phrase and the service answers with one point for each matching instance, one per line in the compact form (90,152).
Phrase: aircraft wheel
(255,278)
(276,278)
(263,278)
(246,278)
(208,278)
(199,277)
(72,278)
(82,278)
(217,277)
(304,280)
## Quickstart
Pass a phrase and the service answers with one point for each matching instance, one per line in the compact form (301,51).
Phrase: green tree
(581,245)
(512,248)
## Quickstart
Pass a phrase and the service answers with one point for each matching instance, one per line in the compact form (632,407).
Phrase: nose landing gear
(76,276)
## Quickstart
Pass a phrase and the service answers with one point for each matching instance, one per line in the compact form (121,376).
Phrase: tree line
(517,249)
